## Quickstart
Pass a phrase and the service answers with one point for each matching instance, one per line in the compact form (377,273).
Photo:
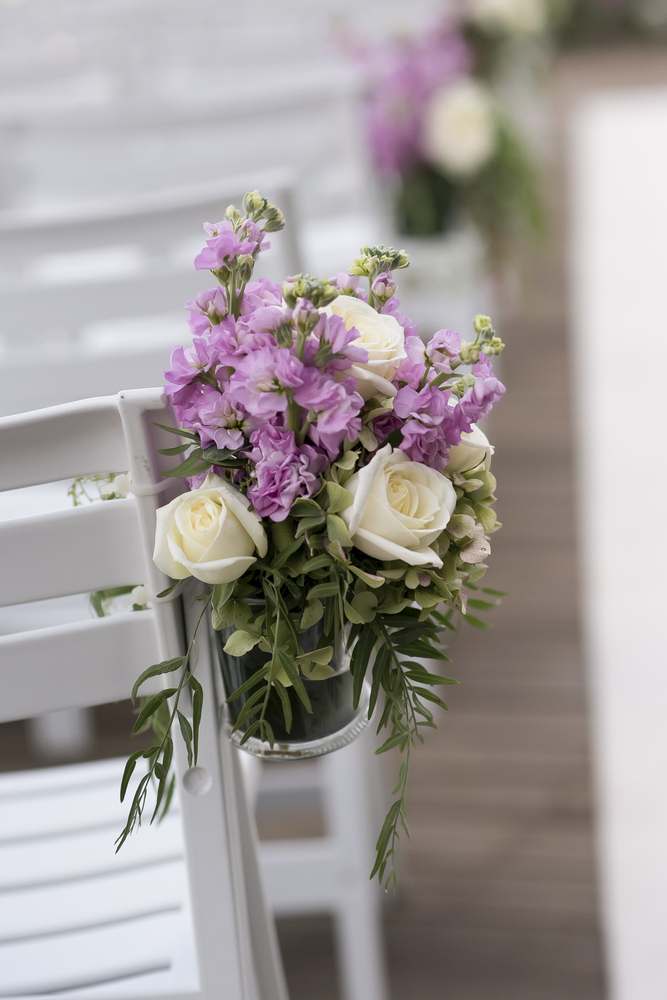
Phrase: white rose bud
(399,508)
(460,132)
(473,450)
(209,533)
(379,334)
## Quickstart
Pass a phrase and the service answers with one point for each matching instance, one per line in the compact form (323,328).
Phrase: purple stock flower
(283,472)
(207,309)
(411,369)
(187,365)
(337,406)
(333,331)
(384,285)
(261,292)
(262,378)
(442,348)
(390,308)
(218,420)
(385,424)
(345,283)
(430,425)
(477,401)
(222,247)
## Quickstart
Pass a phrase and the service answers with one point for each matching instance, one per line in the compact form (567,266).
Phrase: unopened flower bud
(245,264)
(384,286)
(253,202)
(232,213)
(306,316)
(482,325)
(276,223)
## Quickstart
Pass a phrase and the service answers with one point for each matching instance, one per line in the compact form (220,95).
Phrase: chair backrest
(87,663)
(64,270)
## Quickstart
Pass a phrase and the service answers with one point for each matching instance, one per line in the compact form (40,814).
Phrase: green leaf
(337,530)
(306,523)
(348,461)
(192,465)
(179,431)
(323,590)
(312,613)
(365,604)
(282,533)
(285,553)
(317,562)
(176,450)
(186,733)
(317,671)
(322,656)
(241,642)
(221,594)
(369,578)
(305,508)
(197,706)
(287,707)
(164,593)
(339,498)
(474,602)
(476,622)
(353,616)
(129,771)
(494,593)
(290,668)
(152,706)
(165,667)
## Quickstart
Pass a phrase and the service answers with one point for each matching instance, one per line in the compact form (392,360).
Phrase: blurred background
(517,149)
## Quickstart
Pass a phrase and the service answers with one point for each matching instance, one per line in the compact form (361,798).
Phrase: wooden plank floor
(497,898)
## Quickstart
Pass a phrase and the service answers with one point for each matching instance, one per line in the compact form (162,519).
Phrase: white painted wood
(98,546)
(619,263)
(70,666)
(88,433)
(75,844)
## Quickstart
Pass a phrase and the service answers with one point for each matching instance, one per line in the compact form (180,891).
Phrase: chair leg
(359,946)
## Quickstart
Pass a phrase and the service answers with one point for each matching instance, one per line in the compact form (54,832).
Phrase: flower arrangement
(440,135)
(338,481)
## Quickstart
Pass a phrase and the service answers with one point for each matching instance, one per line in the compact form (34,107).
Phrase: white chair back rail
(237,956)
(128,258)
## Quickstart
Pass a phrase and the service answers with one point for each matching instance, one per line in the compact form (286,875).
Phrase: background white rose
(460,130)
(527,17)
(209,533)
(473,450)
(381,335)
(399,508)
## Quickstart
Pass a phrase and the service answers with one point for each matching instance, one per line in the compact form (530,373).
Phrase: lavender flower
(187,367)
(262,378)
(261,292)
(219,421)
(477,401)
(207,309)
(431,425)
(336,406)
(336,347)
(283,472)
(442,348)
(390,308)
(223,247)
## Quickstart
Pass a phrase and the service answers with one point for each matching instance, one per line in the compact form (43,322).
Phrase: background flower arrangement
(337,478)
(442,137)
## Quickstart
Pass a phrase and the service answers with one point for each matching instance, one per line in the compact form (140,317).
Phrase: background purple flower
(442,348)
(220,249)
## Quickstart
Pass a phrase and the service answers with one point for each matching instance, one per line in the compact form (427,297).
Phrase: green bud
(315,290)
(374,259)
(482,322)
(223,274)
(276,223)
(494,346)
(232,213)
(284,335)
(253,202)
(245,264)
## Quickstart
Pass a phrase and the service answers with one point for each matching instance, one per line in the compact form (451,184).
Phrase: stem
(293,414)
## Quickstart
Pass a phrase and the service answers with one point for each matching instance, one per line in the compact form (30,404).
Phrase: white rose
(460,133)
(522,16)
(399,508)
(209,533)
(381,335)
(473,450)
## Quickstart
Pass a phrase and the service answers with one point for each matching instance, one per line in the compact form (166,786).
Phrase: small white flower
(460,129)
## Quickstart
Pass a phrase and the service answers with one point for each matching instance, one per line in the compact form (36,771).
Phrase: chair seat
(73,914)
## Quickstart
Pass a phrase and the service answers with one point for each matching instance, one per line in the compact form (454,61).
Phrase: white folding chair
(91,276)
(74,916)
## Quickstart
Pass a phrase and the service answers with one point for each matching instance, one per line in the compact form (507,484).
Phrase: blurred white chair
(113,277)
(618,276)
(74,916)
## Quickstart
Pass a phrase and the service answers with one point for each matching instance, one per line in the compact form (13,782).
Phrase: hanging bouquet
(340,500)
(440,135)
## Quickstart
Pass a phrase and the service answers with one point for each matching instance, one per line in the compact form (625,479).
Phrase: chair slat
(61,442)
(72,666)
(73,551)
(89,957)
(90,902)
(77,856)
